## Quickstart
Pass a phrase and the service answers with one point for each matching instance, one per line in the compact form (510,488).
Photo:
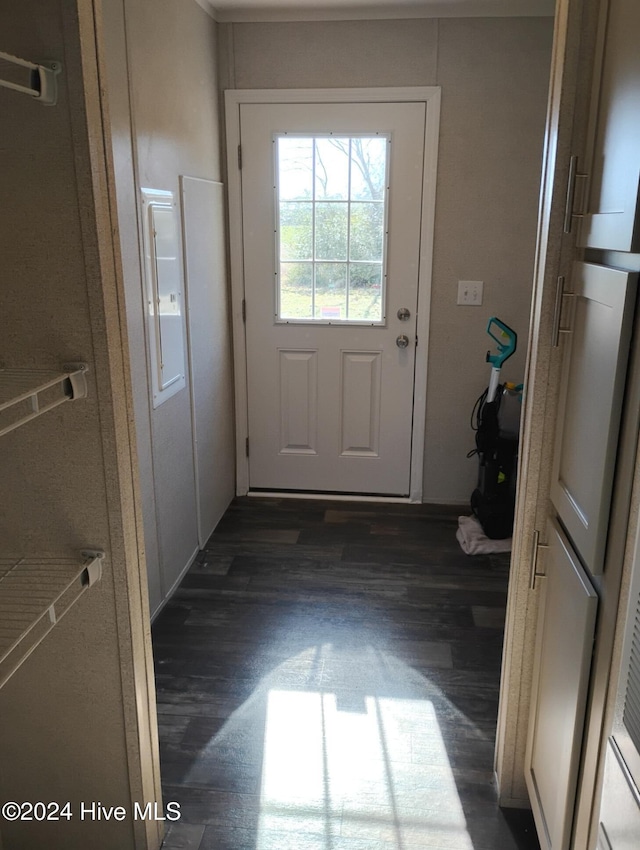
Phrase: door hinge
(535,548)
(240,157)
(574,175)
(244,311)
(246,446)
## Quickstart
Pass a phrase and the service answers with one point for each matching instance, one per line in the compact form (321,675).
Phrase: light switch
(470,292)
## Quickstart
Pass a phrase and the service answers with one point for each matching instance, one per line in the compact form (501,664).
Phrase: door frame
(234,98)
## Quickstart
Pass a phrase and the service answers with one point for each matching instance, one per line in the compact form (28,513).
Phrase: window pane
(332,169)
(331,291)
(296,231)
(365,292)
(296,287)
(367,232)
(368,168)
(331,231)
(295,168)
(331,212)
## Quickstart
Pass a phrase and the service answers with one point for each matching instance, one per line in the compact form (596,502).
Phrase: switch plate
(470,292)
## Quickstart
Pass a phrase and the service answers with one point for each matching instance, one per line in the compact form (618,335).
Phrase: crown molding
(208,8)
(331,11)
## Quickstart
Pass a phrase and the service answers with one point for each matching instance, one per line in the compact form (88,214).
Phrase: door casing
(430,95)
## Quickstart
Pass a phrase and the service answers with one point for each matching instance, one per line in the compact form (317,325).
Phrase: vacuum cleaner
(496,420)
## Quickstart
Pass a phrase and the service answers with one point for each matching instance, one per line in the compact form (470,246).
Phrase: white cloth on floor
(474,541)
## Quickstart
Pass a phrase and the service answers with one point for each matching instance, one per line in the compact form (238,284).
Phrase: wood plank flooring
(327,679)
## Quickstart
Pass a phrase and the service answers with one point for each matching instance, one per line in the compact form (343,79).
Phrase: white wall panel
(174,106)
(210,365)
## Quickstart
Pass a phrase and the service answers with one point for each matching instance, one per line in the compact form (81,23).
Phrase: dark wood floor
(327,679)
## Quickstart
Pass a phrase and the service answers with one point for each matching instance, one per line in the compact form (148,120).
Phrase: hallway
(327,679)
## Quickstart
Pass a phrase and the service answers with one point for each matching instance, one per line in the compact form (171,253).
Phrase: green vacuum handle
(506,339)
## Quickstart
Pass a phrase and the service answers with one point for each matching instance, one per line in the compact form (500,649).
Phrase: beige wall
(76,716)
(164,124)
(494,74)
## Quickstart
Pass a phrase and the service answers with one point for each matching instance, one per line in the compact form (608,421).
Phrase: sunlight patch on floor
(373,775)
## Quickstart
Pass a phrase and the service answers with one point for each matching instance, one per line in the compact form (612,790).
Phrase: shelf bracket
(42,79)
(93,566)
(77,379)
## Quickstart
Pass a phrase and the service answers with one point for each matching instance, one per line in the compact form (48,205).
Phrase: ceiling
(287,10)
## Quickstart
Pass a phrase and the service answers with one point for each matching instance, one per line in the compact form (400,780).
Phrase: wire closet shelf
(36,592)
(28,393)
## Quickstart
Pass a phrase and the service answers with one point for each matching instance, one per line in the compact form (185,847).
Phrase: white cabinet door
(593,379)
(565,633)
(611,220)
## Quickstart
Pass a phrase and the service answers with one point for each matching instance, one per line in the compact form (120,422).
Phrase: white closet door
(593,378)
(611,221)
(565,633)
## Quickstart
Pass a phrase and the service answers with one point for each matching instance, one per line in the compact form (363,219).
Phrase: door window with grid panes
(331,227)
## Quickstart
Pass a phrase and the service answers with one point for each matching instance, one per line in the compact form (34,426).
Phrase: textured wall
(494,74)
(76,714)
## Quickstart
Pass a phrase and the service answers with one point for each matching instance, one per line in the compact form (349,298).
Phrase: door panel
(298,402)
(593,376)
(565,632)
(611,220)
(330,392)
(360,403)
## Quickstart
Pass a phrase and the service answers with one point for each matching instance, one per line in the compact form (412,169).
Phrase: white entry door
(331,216)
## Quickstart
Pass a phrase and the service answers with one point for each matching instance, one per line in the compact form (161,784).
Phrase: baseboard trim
(174,586)
(330,497)
(513,803)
